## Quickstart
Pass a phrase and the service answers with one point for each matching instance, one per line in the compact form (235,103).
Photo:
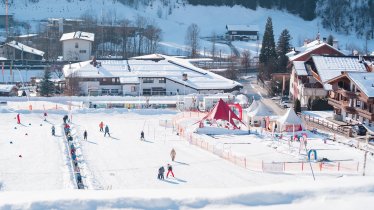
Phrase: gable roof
(25,48)
(329,67)
(364,81)
(78,35)
(309,48)
(300,68)
(169,67)
(242,28)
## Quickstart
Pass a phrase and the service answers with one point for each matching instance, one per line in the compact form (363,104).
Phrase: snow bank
(341,193)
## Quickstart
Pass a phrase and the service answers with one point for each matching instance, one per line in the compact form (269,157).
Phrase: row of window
(153,80)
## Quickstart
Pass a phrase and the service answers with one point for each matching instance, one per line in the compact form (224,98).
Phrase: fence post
(262,165)
(245,162)
(302,166)
(338,166)
(320,166)
(284,166)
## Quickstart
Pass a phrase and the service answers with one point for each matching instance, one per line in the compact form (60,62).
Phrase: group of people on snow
(161,170)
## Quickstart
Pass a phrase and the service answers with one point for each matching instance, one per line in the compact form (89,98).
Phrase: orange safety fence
(259,165)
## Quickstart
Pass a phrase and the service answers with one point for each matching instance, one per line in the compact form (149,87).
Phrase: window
(104,91)
(82,51)
(133,88)
(147,80)
(162,80)
(114,80)
(104,79)
(114,91)
(158,91)
(358,103)
(147,92)
(76,45)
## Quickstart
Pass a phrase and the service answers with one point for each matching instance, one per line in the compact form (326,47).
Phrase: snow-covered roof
(290,118)
(6,88)
(300,68)
(364,81)
(25,48)
(260,111)
(242,28)
(78,35)
(329,67)
(170,67)
(301,51)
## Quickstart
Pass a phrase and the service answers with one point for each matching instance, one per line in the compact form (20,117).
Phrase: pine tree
(268,55)
(47,86)
(268,45)
(330,40)
(283,47)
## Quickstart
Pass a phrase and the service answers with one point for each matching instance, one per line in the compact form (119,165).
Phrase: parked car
(359,130)
(276,98)
(284,104)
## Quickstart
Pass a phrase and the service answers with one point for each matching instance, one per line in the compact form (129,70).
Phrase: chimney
(184,77)
(306,42)
(324,39)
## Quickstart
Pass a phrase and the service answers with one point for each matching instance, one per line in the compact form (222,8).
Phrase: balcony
(347,93)
(334,103)
(365,113)
(342,105)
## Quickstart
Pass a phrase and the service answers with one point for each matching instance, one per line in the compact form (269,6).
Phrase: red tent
(222,112)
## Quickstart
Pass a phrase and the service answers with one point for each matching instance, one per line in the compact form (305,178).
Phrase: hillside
(173,17)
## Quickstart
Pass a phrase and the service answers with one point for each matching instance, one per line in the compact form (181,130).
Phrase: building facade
(77,46)
(352,97)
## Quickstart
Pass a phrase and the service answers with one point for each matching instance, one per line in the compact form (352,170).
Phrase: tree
(268,54)
(214,47)
(283,47)
(192,39)
(47,87)
(246,60)
(297,106)
(330,40)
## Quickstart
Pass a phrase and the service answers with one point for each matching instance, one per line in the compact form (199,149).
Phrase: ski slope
(43,164)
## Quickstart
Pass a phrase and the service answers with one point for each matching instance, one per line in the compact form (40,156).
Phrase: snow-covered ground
(121,171)
(209,19)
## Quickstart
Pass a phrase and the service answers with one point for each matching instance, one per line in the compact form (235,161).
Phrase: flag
(2,68)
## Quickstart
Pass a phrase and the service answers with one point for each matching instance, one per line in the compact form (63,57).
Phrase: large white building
(77,46)
(146,75)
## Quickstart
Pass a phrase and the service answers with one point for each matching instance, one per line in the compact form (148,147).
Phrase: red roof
(222,112)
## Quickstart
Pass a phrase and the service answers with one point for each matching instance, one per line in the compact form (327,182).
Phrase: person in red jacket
(18,119)
(101,126)
(170,170)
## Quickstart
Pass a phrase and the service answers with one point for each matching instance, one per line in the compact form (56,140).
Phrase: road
(252,89)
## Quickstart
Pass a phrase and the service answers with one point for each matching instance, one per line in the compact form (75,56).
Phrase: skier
(142,135)
(45,116)
(85,135)
(18,119)
(101,126)
(67,128)
(53,130)
(170,170)
(106,131)
(172,154)
(161,171)
(65,118)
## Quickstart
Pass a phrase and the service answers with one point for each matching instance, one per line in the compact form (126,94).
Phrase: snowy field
(121,171)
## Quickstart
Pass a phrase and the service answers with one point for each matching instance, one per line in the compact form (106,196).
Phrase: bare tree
(140,23)
(72,84)
(232,72)
(214,47)
(192,39)
(246,60)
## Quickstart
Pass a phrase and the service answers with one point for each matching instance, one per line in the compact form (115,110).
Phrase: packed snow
(120,171)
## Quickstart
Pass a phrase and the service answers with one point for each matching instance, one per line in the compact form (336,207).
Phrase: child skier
(170,170)
(106,131)
(161,171)
(172,154)
(142,135)
(53,130)
(101,126)
(18,119)
(85,135)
